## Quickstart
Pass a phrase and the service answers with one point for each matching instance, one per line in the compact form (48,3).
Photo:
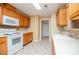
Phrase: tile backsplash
(71,33)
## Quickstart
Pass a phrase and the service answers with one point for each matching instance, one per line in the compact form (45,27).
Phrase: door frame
(41,27)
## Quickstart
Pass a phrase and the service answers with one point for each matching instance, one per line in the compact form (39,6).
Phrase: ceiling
(29,8)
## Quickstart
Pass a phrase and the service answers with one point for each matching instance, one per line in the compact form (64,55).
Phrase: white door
(45,28)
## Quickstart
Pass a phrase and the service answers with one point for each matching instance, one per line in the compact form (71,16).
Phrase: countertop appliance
(14,40)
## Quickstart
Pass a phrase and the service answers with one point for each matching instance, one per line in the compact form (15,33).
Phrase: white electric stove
(14,41)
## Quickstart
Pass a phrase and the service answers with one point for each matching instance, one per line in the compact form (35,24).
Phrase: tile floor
(42,47)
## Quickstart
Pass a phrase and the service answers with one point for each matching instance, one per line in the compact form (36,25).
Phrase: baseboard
(27,43)
(35,40)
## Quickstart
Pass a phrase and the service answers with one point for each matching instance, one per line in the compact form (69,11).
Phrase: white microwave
(10,21)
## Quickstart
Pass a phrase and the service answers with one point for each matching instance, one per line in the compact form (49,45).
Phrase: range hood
(10,21)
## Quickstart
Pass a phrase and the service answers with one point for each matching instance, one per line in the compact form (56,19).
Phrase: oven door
(16,44)
(16,40)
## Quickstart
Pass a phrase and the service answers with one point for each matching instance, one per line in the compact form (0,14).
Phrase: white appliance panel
(10,21)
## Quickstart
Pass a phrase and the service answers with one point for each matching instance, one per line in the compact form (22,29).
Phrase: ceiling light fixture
(37,6)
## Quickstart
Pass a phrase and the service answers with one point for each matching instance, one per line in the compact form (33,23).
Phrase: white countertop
(65,45)
(3,36)
(21,32)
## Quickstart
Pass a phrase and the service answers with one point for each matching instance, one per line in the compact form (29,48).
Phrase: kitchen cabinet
(3,45)
(61,16)
(13,12)
(73,10)
(28,22)
(27,37)
(0,15)
(9,10)
(24,22)
(10,13)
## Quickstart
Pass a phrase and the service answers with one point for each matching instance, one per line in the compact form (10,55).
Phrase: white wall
(53,25)
(35,27)
(45,29)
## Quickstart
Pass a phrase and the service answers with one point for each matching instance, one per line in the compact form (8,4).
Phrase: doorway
(45,29)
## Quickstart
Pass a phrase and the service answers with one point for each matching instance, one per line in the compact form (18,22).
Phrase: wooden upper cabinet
(27,22)
(24,22)
(13,12)
(62,16)
(10,13)
(3,46)
(73,10)
(8,10)
(0,15)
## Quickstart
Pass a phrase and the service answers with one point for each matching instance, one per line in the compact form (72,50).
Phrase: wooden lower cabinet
(3,45)
(27,37)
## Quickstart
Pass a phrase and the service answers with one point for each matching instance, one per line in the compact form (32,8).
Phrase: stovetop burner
(7,34)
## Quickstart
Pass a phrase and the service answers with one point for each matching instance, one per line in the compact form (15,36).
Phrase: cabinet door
(10,13)
(0,15)
(27,37)
(30,36)
(62,17)
(24,21)
(17,16)
(27,22)
(7,12)
(3,45)
(73,9)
